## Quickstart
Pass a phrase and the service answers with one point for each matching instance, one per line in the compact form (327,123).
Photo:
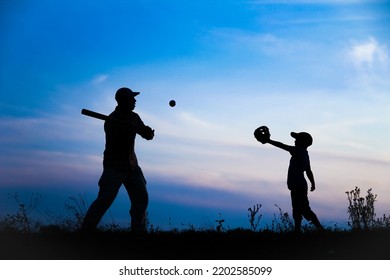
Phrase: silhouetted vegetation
(361,211)
(254,217)
(22,237)
(22,220)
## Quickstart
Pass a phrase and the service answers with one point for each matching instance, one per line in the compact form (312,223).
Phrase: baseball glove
(262,134)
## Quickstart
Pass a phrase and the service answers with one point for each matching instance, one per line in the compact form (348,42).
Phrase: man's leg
(109,184)
(135,184)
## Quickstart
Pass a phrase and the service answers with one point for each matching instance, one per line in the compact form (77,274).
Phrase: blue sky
(231,66)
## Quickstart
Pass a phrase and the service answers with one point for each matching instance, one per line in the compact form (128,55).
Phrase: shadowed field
(233,244)
(22,238)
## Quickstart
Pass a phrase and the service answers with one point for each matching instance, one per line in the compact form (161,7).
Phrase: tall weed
(22,220)
(254,217)
(361,211)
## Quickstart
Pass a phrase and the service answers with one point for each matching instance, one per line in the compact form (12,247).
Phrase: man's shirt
(120,139)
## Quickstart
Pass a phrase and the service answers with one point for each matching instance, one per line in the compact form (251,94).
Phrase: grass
(57,244)
(21,237)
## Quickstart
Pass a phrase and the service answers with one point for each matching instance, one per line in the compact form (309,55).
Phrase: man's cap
(305,137)
(124,93)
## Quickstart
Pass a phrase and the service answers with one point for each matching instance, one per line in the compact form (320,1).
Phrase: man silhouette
(296,182)
(120,165)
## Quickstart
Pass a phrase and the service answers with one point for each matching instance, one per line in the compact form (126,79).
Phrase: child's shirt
(299,163)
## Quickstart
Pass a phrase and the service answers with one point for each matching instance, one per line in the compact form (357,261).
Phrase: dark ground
(197,245)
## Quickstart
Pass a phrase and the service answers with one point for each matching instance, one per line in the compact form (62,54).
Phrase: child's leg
(308,214)
(296,202)
(312,217)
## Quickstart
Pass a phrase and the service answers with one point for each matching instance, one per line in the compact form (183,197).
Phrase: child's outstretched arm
(279,145)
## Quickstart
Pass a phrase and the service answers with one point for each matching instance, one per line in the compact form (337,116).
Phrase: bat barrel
(93,114)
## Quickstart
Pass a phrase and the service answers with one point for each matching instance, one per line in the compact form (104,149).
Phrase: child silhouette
(296,182)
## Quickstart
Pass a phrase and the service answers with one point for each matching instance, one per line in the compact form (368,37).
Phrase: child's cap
(304,137)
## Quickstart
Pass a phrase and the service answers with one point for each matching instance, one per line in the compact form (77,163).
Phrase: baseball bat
(93,114)
(146,132)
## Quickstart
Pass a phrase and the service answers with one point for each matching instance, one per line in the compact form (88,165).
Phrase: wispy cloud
(192,121)
(46,150)
(369,54)
(46,168)
(369,61)
(249,42)
(99,79)
(314,2)
(39,130)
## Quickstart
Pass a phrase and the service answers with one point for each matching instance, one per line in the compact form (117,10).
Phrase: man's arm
(146,132)
(128,126)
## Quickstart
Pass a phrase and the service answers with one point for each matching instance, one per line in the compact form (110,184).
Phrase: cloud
(369,54)
(50,129)
(47,150)
(191,120)
(243,41)
(99,79)
(46,168)
(314,2)
(369,61)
